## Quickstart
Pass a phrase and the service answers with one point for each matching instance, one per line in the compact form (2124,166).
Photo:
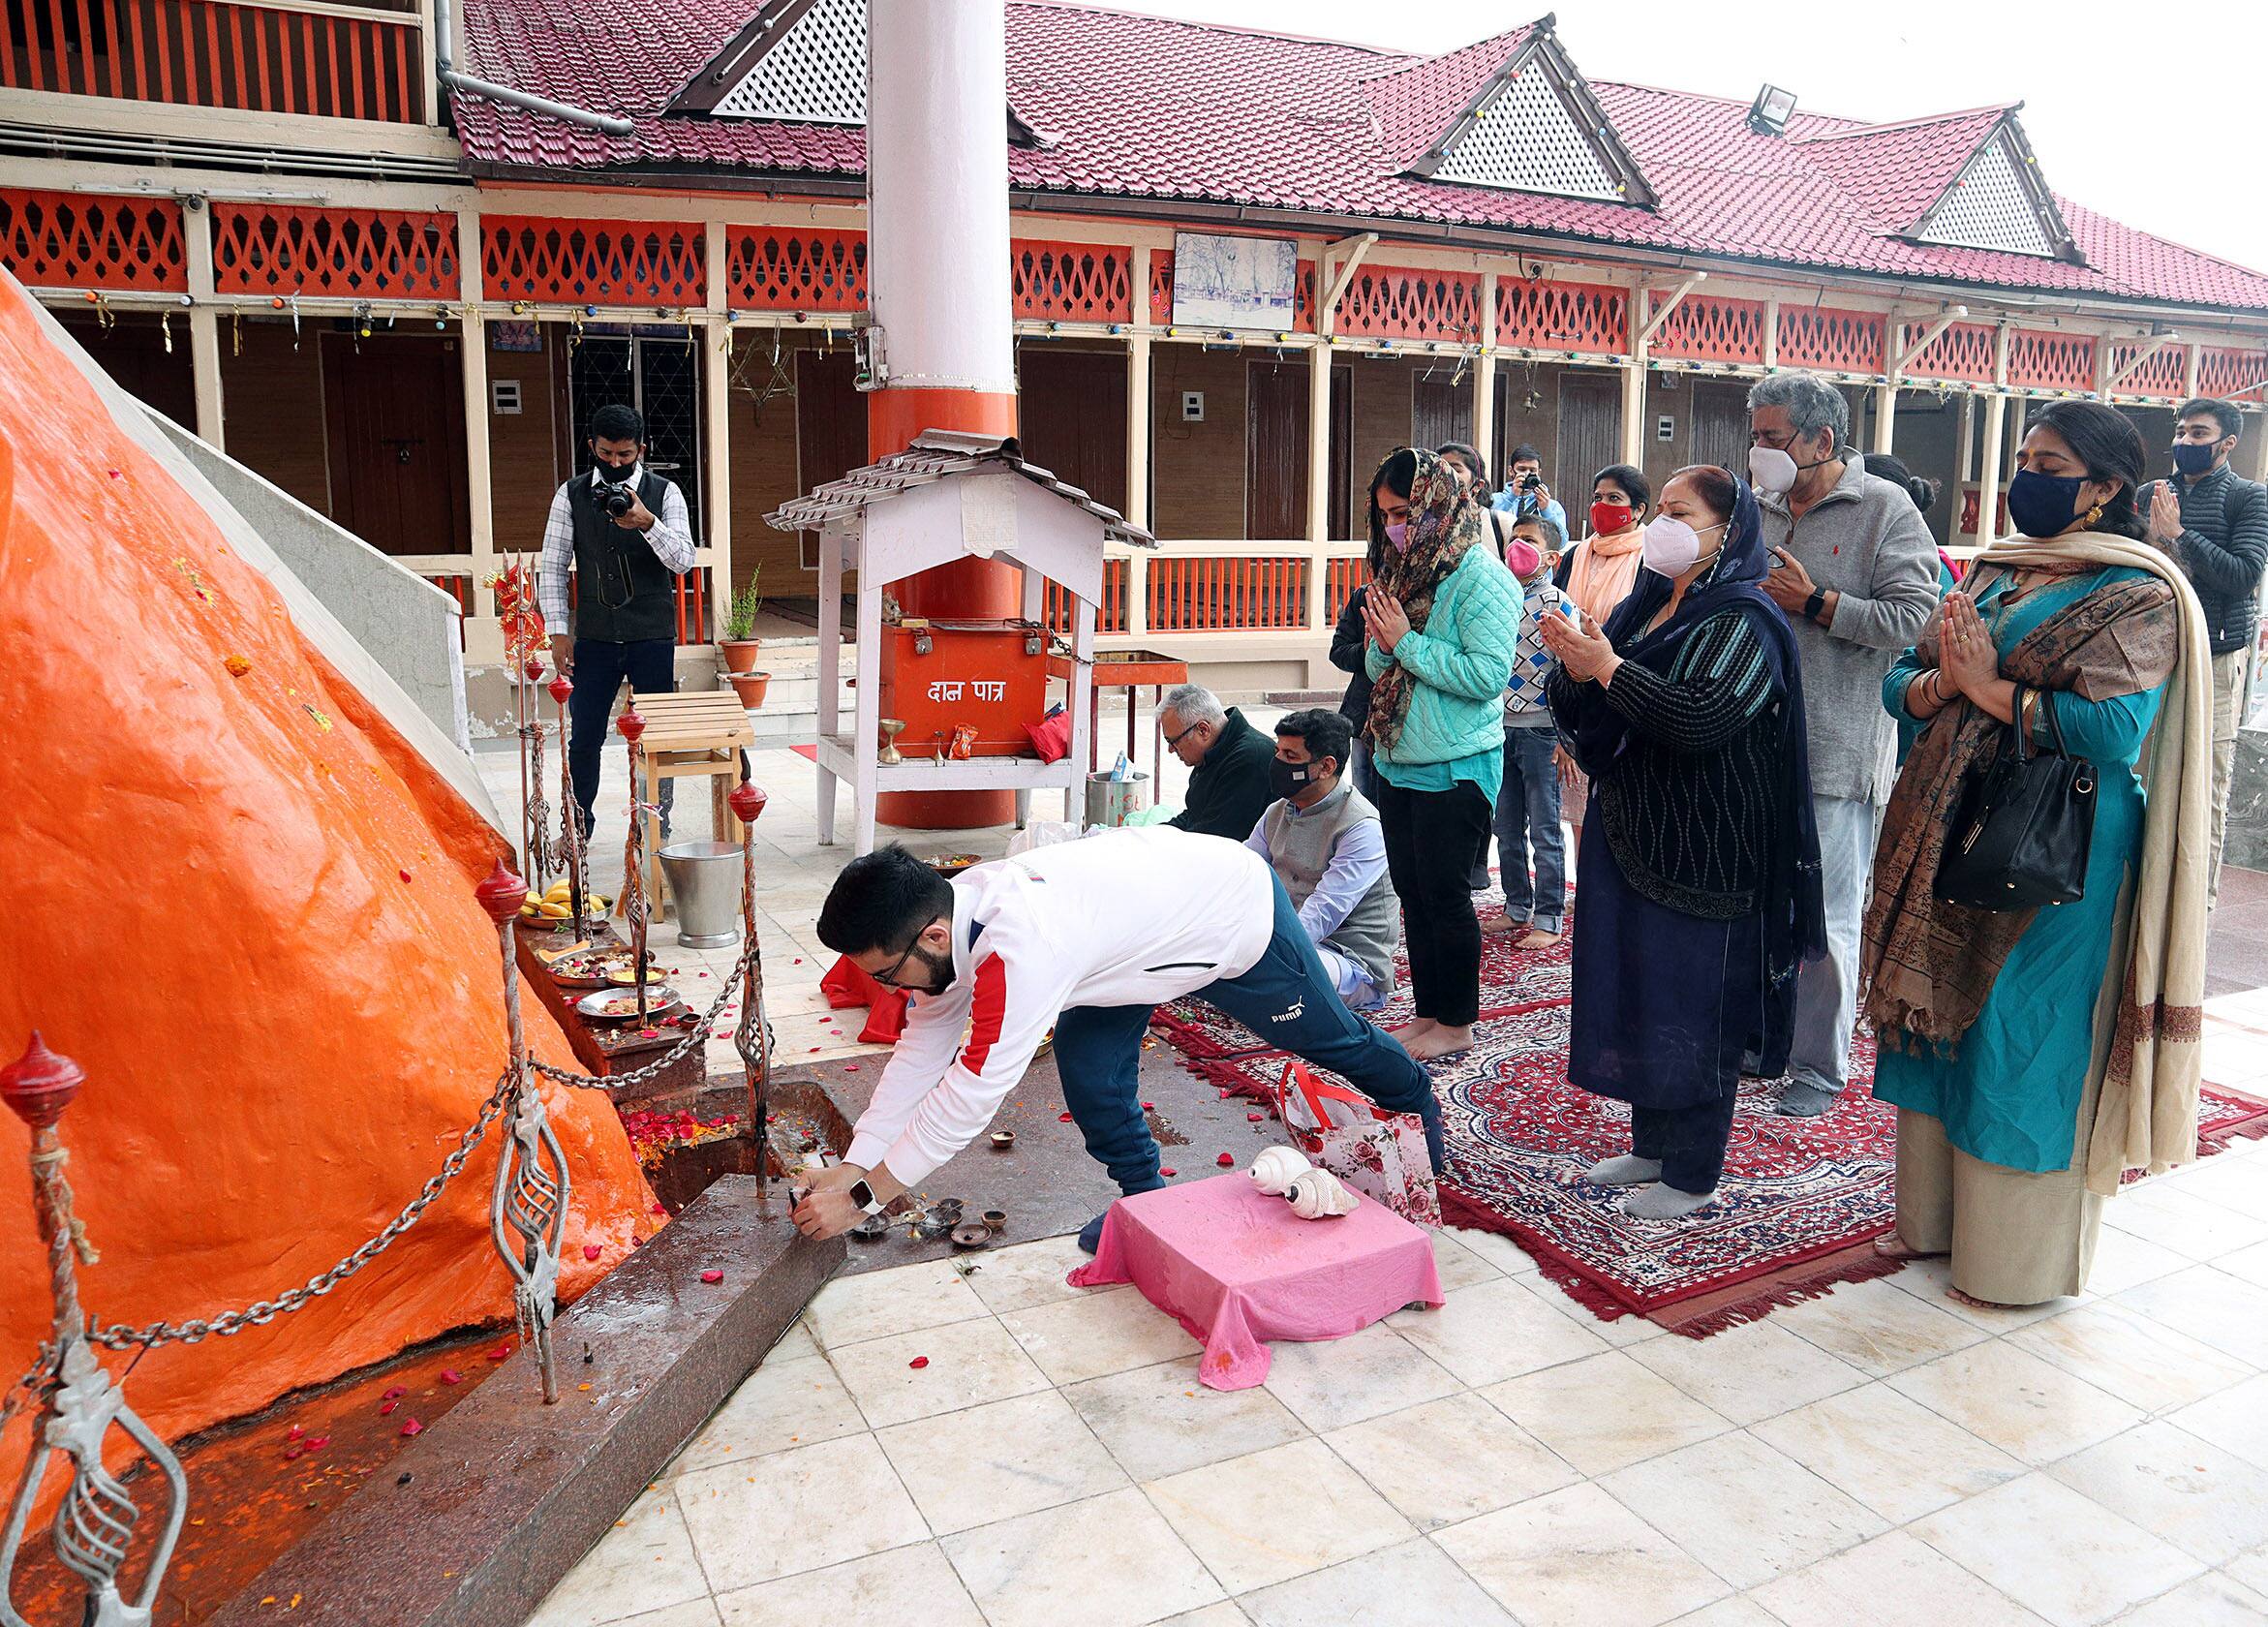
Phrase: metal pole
(571,816)
(752,1040)
(633,861)
(538,811)
(530,1194)
(93,1528)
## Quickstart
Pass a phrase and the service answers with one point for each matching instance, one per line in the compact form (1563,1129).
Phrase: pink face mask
(1398,533)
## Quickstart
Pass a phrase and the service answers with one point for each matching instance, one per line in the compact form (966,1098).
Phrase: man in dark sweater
(2215,523)
(1228,760)
(1348,639)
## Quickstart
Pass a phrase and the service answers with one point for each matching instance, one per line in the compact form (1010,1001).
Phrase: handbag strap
(1316,1093)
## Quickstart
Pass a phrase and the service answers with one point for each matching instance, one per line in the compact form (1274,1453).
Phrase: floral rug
(1797,1210)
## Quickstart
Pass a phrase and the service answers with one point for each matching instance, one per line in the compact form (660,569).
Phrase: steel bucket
(1112,802)
(704,885)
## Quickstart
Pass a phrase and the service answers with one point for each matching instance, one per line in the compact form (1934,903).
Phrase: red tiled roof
(1158,109)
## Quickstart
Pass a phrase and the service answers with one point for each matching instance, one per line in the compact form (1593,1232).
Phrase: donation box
(991,676)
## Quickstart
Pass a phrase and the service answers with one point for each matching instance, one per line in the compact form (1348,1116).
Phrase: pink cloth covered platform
(1237,1269)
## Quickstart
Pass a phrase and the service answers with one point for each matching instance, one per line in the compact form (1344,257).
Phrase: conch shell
(1318,1194)
(1276,1168)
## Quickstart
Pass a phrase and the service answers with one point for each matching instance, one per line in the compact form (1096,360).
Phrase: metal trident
(635,907)
(570,814)
(530,1195)
(752,1040)
(94,1524)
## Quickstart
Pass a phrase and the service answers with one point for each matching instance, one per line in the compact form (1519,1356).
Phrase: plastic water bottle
(1121,770)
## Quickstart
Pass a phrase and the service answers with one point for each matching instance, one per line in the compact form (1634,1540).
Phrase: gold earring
(2094,514)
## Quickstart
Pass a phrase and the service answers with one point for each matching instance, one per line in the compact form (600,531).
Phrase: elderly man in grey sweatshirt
(1856,570)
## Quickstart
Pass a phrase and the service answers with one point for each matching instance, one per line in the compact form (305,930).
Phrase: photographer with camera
(627,532)
(1525,493)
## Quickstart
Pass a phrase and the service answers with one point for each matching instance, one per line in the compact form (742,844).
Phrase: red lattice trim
(1829,340)
(771,268)
(1712,327)
(60,239)
(2232,375)
(1592,319)
(1964,351)
(1071,282)
(363,254)
(593,262)
(1397,302)
(2046,360)
(2162,375)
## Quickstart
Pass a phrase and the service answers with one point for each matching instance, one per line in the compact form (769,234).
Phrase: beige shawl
(2146,1115)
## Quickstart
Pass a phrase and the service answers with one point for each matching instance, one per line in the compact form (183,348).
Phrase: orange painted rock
(242,900)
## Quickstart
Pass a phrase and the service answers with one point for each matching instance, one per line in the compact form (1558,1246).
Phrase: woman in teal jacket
(1442,621)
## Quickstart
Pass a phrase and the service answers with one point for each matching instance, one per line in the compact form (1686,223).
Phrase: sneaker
(1090,1233)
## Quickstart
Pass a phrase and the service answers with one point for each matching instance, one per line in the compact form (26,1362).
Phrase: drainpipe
(466,85)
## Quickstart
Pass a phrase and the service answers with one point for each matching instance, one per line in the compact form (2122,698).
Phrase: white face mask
(1669,547)
(1772,469)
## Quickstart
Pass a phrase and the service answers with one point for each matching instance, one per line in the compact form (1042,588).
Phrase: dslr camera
(1529,481)
(617,497)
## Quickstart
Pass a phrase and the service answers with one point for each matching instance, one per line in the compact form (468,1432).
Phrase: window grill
(2232,375)
(61,239)
(1963,350)
(1524,139)
(1075,282)
(2162,373)
(1711,327)
(814,73)
(1586,319)
(2040,359)
(779,268)
(386,254)
(1988,206)
(1832,341)
(1397,304)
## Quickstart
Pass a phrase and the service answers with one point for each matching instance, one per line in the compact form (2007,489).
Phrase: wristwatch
(1813,605)
(863,1195)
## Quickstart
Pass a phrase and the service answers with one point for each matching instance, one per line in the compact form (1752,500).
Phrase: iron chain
(695,1036)
(118,1336)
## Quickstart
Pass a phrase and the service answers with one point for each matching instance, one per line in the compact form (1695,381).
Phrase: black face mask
(1290,779)
(613,471)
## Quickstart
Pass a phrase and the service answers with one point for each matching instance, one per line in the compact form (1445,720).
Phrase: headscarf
(1602,572)
(1794,921)
(1444,523)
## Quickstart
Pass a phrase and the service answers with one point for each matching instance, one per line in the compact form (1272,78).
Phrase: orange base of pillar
(967,588)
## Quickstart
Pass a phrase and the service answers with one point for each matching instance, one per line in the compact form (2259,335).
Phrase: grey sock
(1625,1170)
(1798,1100)
(1666,1203)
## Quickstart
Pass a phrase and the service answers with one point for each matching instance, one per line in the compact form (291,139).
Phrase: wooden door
(395,411)
(1591,429)
(1275,451)
(1441,409)
(830,427)
(133,352)
(1720,427)
(1071,414)
(1342,440)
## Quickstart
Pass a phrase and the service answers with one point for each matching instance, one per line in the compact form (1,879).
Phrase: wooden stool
(691,734)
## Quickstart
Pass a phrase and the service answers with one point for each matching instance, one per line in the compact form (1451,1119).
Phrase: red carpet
(1800,1202)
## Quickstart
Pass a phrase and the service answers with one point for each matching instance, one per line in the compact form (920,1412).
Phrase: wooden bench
(690,734)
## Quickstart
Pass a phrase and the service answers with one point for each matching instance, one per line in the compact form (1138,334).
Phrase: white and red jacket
(1123,917)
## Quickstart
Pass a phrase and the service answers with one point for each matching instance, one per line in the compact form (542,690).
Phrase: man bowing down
(1084,938)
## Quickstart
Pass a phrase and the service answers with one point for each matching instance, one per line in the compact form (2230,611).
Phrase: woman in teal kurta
(1996,1026)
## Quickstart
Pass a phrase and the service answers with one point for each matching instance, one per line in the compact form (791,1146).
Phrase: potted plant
(740,644)
(750,688)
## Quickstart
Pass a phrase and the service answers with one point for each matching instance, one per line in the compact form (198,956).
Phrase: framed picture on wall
(1233,282)
(515,336)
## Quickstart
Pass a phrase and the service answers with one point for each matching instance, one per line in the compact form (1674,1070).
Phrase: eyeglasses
(1174,741)
(889,978)
(1761,437)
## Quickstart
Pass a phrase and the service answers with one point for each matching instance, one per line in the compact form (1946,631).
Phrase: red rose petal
(712,1276)
(1167,1173)
(318,1443)
(292,1452)
(918,1362)
(385,1407)
(849,1067)
(591,1252)
(405,875)
(1252,1117)
(412,1428)
(451,1375)
(1062,1118)
(1150,1107)
(661,1208)
(502,1353)
(1227,1160)
(396,1393)
(297,1429)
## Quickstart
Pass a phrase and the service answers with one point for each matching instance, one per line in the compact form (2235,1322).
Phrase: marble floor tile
(1499,1250)
(1029,1273)
(2206,1502)
(2015,1400)
(905,1584)
(645,1563)
(699,1612)
(1450,1459)
(1930,1279)
(781,1404)
(2055,1551)
(1748,1372)
(1893,1455)
(1730,1612)
(2251,1569)
(1414,1585)
(796,1511)
(794,1345)
(2174,1218)
(1497,1330)
(2211,1306)
(1161,1420)
(1266,1517)
(2145,1363)
(1459,1267)
(1098,1333)
(996,1461)
(1344,1381)
(901,1300)
(2236,1419)
(2247,1265)
(967,1364)
(2123,1261)
(1762,1515)
(1605,1412)
(1876,1329)
(2210,1600)
(1223,1614)
(1894,1581)
(2231,1182)
(1109,1561)
(1578,1559)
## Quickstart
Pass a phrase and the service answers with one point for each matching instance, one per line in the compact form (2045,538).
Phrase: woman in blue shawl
(1700,866)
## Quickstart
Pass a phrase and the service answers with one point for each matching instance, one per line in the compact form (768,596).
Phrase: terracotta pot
(751,687)
(740,654)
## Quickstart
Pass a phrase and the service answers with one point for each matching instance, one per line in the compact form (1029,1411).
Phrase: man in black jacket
(1347,640)
(2215,523)
(1228,759)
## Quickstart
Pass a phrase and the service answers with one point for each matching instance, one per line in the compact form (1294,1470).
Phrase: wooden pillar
(1139,411)
(1319,441)
(204,324)
(483,636)
(717,425)
(1885,416)
(1485,378)
(1965,452)
(1988,471)
(1634,384)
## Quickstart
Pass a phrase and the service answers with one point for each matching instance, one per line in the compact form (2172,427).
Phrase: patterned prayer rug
(1797,1212)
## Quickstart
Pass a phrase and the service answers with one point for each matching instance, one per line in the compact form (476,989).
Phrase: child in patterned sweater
(1527,802)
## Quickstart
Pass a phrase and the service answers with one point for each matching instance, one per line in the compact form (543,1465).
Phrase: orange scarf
(1604,571)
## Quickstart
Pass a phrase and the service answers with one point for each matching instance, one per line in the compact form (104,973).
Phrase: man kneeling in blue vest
(1323,842)
(1084,938)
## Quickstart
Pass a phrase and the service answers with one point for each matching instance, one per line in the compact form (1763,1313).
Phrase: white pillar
(1885,416)
(1319,442)
(1965,460)
(717,425)
(483,636)
(1634,409)
(1139,411)
(204,324)
(1485,377)
(1989,473)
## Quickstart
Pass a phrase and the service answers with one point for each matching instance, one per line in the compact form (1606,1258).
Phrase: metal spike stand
(633,859)
(530,1195)
(753,1038)
(571,816)
(537,814)
(94,1524)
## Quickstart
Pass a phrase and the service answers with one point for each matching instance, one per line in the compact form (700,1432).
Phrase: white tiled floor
(1876,1456)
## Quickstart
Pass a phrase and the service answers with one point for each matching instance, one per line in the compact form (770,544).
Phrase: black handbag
(2022,825)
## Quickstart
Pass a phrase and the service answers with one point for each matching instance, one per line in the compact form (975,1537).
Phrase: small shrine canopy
(936,455)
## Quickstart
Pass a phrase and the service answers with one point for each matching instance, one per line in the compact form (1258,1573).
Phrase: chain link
(118,1336)
(696,1036)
